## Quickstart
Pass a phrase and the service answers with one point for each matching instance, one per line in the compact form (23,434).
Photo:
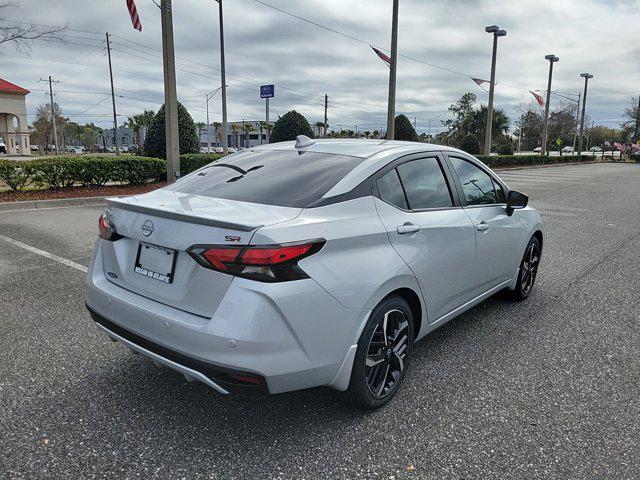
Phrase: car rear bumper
(288,336)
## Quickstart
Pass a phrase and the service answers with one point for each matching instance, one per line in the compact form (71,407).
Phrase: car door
(429,229)
(497,234)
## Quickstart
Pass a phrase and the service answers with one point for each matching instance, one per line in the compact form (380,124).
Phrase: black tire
(368,389)
(528,270)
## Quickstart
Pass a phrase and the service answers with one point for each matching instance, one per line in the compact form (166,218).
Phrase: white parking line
(42,253)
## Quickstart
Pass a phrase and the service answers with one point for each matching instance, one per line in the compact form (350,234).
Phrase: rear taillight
(106,228)
(266,263)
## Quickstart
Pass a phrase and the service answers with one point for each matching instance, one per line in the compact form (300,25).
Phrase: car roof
(362,148)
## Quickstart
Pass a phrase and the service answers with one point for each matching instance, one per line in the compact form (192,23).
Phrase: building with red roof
(13,118)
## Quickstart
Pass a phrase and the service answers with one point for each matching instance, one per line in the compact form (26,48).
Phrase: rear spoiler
(180,216)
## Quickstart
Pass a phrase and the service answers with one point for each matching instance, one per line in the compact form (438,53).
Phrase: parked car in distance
(309,263)
(537,150)
(96,148)
(132,148)
(567,149)
(595,149)
(35,149)
(218,150)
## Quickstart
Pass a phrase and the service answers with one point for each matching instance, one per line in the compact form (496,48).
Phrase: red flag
(538,98)
(384,57)
(480,81)
(135,18)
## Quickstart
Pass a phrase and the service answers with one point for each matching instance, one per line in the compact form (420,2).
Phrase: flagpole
(391,107)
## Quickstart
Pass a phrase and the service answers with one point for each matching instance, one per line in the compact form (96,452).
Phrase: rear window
(273,177)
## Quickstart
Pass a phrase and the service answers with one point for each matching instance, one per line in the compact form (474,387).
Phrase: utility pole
(225,140)
(495,30)
(575,132)
(637,132)
(170,94)
(543,148)
(586,77)
(113,99)
(53,112)
(326,102)
(206,98)
(391,107)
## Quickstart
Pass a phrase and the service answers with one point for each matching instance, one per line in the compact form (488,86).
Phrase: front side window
(424,184)
(271,177)
(477,185)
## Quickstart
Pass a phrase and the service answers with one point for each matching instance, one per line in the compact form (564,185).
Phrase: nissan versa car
(309,263)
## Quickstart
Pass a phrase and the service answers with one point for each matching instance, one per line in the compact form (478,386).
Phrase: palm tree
(320,127)
(248,128)
(217,126)
(263,127)
(235,129)
(137,122)
(269,128)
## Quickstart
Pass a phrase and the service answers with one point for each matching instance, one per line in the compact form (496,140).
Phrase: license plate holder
(156,262)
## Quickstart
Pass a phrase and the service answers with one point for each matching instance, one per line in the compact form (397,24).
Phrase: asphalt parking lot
(547,388)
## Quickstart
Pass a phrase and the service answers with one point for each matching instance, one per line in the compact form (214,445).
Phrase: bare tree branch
(20,34)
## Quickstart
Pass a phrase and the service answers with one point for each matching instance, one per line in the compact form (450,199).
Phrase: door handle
(407,228)
(482,226)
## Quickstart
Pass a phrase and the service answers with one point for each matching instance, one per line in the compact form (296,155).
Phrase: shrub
(496,161)
(15,174)
(470,144)
(289,126)
(155,141)
(403,130)
(60,172)
(193,161)
(505,149)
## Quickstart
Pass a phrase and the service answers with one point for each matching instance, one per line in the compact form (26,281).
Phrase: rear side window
(391,190)
(424,184)
(477,185)
(272,177)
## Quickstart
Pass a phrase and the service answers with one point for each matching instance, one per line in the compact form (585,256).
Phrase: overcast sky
(304,61)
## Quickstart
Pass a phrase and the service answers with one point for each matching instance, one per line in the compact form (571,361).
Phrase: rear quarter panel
(357,266)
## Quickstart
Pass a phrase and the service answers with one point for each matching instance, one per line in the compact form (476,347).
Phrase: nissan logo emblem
(147,228)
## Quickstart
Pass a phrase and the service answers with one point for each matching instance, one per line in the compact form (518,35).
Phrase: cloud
(305,61)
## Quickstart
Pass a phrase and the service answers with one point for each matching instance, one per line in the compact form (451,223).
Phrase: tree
(404,130)
(470,144)
(234,130)
(21,34)
(155,143)
(248,128)
(43,125)
(289,126)
(138,122)
(631,125)
(529,127)
(320,128)
(217,126)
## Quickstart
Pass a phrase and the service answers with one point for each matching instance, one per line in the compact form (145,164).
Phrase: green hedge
(193,161)
(495,161)
(61,172)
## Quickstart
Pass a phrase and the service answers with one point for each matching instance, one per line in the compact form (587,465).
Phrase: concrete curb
(55,203)
(546,165)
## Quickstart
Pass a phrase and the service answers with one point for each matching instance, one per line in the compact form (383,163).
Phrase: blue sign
(267,91)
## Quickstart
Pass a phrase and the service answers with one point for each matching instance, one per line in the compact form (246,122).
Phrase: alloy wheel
(530,267)
(386,353)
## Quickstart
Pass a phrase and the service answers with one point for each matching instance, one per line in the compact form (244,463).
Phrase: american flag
(480,81)
(384,57)
(135,18)
(538,98)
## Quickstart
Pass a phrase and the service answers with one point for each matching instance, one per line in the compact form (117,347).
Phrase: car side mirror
(515,201)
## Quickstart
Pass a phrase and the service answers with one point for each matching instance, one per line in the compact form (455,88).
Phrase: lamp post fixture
(586,77)
(543,148)
(495,30)
(208,97)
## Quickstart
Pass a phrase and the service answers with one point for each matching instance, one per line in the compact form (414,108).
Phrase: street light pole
(391,107)
(208,97)
(543,148)
(586,77)
(225,140)
(487,137)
